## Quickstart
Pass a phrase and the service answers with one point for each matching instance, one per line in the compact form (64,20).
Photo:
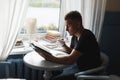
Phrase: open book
(42,48)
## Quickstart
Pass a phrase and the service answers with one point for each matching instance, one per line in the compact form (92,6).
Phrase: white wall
(113,5)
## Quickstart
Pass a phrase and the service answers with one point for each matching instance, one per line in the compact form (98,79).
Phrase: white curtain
(93,15)
(66,6)
(92,12)
(12,13)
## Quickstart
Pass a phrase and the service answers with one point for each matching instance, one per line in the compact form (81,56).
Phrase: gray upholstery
(100,77)
(87,74)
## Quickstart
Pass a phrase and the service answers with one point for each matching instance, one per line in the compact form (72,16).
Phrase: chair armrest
(90,71)
(92,77)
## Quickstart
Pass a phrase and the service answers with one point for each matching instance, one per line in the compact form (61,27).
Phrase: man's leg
(68,73)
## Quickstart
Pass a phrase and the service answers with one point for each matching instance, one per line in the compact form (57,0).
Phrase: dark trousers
(67,73)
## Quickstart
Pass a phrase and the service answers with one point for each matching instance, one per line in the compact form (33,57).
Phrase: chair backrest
(105,61)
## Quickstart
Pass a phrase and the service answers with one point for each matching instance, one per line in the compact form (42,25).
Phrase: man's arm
(70,59)
(67,49)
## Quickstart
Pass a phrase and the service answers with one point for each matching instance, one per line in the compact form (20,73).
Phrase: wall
(113,5)
(110,39)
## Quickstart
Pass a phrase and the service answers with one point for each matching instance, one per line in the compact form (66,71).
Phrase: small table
(35,61)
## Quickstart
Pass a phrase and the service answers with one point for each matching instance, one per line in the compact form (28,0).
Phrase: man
(84,52)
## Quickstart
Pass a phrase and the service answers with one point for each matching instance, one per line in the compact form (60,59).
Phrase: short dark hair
(73,15)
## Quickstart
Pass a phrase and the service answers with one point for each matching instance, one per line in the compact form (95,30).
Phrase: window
(42,15)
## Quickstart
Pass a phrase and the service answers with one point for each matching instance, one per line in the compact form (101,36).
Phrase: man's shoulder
(88,32)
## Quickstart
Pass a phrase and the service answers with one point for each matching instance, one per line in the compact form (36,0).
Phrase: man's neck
(78,34)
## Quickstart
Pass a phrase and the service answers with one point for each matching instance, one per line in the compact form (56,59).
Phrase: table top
(35,61)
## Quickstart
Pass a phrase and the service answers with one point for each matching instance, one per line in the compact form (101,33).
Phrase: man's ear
(78,24)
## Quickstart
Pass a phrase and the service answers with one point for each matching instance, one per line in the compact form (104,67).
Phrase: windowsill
(26,49)
(23,50)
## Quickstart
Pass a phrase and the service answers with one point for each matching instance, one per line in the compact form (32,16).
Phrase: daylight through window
(42,15)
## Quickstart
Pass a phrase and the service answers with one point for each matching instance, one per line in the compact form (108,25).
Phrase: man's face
(71,27)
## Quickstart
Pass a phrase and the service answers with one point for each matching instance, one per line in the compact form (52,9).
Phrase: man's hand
(45,55)
(41,53)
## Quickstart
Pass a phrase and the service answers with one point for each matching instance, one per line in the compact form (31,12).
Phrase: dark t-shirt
(88,46)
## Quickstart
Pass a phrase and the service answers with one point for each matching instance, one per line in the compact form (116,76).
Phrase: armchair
(88,73)
(98,77)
